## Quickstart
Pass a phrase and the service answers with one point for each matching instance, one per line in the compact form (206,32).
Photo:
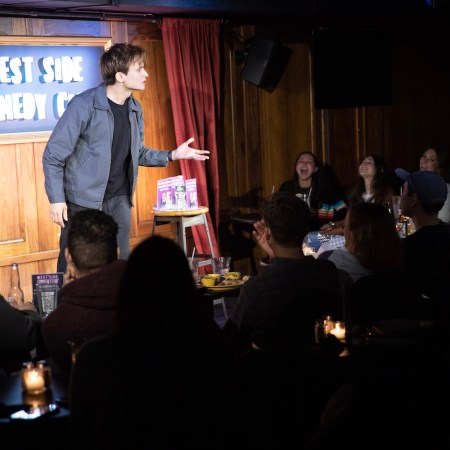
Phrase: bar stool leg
(224,306)
(209,236)
(182,237)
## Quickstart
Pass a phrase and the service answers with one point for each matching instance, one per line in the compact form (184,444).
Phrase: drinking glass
(221,265)
(193,265)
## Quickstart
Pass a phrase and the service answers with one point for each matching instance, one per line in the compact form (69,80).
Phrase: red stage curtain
(191,48)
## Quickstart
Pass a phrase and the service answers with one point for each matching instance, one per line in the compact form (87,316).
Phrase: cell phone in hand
(35,412)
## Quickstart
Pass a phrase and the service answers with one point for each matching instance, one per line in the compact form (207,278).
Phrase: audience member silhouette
(165,376)
(87,304)
(291,277)
(20,333)
(271,328)
(392,406)
(372,246)
(427,251)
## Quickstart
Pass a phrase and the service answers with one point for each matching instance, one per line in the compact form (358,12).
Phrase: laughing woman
(310,183)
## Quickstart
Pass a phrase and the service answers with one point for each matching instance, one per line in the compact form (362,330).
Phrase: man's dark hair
(92,239)
(119,58)
(288,218)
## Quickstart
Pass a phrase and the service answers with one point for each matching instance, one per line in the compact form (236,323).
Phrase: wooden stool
(184,219)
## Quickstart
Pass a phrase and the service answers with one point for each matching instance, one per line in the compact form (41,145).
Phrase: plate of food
(226,285)
(229,281)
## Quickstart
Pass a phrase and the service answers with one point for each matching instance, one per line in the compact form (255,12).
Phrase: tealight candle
(338,331)
(33,380)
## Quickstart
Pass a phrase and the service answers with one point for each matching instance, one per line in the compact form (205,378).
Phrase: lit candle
(338,330)
(33,380)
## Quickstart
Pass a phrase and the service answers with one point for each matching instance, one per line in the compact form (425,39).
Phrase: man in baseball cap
(427,251)
(429,187)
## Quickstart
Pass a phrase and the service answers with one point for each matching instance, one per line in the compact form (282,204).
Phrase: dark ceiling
(227,9)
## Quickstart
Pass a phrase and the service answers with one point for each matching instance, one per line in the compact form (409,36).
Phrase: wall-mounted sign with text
(38,77)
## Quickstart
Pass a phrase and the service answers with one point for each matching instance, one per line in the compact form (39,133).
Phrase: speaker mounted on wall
(352,68)
(265,62)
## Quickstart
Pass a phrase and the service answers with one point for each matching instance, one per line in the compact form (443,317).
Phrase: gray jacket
(77,157)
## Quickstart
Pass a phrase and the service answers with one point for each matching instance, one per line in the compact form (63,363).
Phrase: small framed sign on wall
(39,76)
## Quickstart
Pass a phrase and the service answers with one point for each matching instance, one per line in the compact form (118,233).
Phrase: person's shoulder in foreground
(181,352)
(19,334)
(290,277)
(87,302)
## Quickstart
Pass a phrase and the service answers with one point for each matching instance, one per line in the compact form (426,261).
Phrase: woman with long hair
(372,247)
(435,159)
(373,186)
(310,182)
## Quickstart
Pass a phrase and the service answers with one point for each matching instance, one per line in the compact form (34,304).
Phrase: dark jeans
(117,207)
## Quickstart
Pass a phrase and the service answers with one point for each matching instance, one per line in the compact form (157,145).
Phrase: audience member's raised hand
(260,234)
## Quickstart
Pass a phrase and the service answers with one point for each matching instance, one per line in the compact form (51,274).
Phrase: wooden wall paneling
(249,156)
(248,162)
(19,232)
(20,26)
(343,144)
(28,203)
(286,120)
(6,25)
(241,167)
(421,106)
(13,237)
(144,30)
(37,27)
(240,161)
(373,117)
(48,230)
(159,134)
(118,32)
(233,129)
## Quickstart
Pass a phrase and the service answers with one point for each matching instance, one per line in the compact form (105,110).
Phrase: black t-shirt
(118,182)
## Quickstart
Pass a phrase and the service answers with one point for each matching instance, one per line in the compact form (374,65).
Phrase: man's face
(135,79)
(407,201)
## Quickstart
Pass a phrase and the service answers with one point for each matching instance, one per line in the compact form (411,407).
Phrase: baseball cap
(429,186)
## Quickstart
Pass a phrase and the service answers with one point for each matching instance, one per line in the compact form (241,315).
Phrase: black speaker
(351,68)
(265,62)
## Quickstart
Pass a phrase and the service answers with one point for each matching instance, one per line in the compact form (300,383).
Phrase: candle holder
(36,400)
(42,364)
(328,324)
(33,379)
(338,331)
